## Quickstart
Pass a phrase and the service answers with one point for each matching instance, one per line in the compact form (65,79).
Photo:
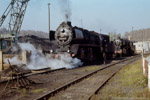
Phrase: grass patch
(128,83)
(38,90)
(23,91)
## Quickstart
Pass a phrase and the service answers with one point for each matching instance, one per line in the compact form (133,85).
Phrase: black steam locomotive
(86,45)
(123,47)
(81,43)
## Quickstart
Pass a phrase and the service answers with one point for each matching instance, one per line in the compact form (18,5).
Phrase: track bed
(51,81)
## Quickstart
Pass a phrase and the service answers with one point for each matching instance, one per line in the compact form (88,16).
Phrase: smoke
(14,60)
(65,6)
(39,61)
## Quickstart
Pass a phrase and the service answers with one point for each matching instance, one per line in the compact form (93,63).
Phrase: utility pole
(142,42)
(82,23)
(132,35)
(49,16)
(132,28)
(100,30)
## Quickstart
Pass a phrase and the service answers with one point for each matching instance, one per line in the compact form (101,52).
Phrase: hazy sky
(109,15)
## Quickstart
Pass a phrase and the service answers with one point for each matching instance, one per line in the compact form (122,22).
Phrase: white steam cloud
(14,60)
(39,61)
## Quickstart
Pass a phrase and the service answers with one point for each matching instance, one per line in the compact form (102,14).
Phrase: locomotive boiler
(81,43)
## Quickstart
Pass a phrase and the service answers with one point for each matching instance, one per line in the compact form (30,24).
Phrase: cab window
(78,33)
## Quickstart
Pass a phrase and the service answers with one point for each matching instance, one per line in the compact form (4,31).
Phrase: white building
(142,46)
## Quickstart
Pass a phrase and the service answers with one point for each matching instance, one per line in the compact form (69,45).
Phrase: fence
(146,68)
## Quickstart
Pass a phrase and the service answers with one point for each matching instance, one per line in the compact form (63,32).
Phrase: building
(142,46)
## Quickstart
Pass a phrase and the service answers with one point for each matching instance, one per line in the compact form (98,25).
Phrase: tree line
(135,35)
(114,35)
(27,32)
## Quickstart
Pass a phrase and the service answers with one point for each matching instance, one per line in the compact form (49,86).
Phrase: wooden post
(1,60)
(149,76)
(104,56)
(146,67)
(24,57)
(143,60)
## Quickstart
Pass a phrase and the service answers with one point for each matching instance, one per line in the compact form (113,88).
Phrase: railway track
(37,72)
(40,71)
(83,84)
(50,81)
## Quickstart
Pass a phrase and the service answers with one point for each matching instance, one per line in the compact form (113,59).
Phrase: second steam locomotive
(83,44)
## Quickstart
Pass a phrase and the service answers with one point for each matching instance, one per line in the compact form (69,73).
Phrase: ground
(128,83)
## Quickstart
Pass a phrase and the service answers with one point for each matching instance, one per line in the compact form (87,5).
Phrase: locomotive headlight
(63,33)
(68,51)
(51,51)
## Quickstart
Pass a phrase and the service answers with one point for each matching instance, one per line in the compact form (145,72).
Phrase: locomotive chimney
(69,23)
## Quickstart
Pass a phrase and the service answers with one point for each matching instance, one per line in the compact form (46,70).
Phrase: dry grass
(129,83)
(38,90)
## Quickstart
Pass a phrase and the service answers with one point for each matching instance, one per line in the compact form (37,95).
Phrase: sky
(105,15)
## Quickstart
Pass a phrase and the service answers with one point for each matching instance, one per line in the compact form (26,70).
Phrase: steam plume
(39,61)
(65,6)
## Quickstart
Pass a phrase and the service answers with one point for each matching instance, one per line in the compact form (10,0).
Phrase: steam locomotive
(81,43)
(123,47)
(88,46)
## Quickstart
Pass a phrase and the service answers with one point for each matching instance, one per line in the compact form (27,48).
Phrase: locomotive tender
(81,43)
